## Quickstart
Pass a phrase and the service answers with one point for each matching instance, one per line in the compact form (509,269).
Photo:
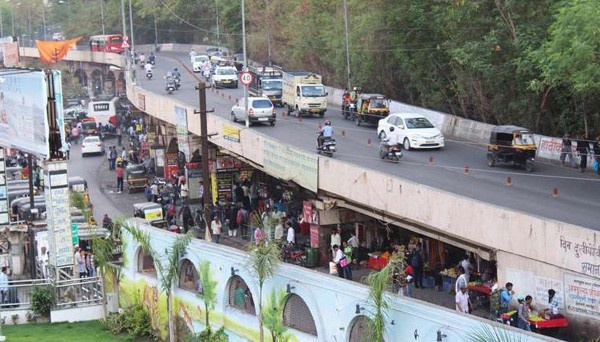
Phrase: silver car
(260,109)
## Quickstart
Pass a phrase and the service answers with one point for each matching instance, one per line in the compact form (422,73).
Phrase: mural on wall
(150,300)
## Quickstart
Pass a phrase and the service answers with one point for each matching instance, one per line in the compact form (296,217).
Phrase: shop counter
(540,322)
(485,290)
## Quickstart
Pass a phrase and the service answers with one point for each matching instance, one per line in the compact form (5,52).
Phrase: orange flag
(55,51)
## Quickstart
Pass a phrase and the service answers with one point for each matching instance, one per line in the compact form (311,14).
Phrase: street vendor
(552,311)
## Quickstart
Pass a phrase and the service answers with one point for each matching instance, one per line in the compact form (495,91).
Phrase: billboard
(292,164)
(58,217)
(23,119)
(11,54)
(182,131)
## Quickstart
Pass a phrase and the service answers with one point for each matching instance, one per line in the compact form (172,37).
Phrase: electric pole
(201,87)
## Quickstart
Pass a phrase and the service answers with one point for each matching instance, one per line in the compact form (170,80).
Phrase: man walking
(112,157)
(119,172)
(4,285)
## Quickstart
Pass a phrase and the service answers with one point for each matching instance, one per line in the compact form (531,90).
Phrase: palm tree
(264,259)
(209,289)
(379,282)
(167,265)
(484,332)
(273,315)
(104,252)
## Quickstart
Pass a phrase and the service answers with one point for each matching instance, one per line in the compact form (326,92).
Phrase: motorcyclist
(353,95)
(151,58)
(392,139)
(176,73)
(148,67)
(325,133)
(169,79)
(206,66)
(142,59)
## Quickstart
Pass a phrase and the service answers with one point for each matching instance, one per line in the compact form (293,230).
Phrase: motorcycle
(348,110)
(177,81)
(328,147)
(170,87)
(206,74)
(393,153)
(149,74)
(142,64)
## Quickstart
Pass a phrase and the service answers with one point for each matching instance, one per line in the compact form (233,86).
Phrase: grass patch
(91,331)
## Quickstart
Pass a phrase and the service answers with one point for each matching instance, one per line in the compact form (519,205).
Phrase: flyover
(535,237)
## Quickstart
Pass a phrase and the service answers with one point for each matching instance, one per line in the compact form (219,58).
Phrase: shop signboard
(75,233)
(182,131)
(288,163)
(58,218)
(311,216)
(23,119)
(582,295)
(58,96)
(231,133)
(172,167)
(11,54)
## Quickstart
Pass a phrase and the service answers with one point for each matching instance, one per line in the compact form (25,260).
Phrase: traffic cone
(369,142)
(508,180)
(467,170)
(431,160)
(299,117)
(555,193)
(343,134)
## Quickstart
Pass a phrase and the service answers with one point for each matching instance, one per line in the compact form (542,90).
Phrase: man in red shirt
(119,171)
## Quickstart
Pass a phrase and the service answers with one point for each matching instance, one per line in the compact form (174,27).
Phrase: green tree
(273,315)
(264,260)
(105,250)
(167,264)
(379,283)
(209,289)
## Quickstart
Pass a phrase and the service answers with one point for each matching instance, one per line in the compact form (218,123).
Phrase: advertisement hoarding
(23,119)
(58,218)
(182,131)
(289,163)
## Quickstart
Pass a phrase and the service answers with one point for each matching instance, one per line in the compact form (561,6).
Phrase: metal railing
(79,291)
(18,293)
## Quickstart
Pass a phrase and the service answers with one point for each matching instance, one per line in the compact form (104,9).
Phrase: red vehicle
(107,43)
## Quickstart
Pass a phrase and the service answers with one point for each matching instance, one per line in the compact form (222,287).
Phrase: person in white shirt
(466,265)
(338,255)
(336,240)
(148,67)
(216,227)
(4,285)
(291,235)
(461,280)
(353,240)
(392,139)
(462,300)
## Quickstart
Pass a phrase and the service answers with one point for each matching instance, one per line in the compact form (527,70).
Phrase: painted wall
(332,301)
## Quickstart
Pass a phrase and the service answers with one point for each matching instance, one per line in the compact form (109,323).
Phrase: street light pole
(245,62)
(131,26)
(102,15)
(218,33)
(347,43)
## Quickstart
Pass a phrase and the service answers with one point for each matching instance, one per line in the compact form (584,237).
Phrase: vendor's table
(377,262)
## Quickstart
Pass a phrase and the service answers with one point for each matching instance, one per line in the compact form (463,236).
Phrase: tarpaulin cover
(55,51)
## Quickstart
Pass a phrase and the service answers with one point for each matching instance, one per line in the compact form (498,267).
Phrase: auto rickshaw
(511,145)
(148,211)
(370,108)
(137,179)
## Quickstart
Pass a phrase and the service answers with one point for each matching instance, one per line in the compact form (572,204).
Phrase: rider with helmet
(325,133)
(151,58)
(176,73)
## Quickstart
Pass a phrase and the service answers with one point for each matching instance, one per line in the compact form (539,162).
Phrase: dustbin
(312,257)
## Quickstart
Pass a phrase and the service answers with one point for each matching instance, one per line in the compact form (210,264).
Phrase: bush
(133,321)
(209,336)
(42,299)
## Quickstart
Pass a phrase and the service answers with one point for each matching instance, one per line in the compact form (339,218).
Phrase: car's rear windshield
(262,104)
(418,123)
(88,125)
(91,140)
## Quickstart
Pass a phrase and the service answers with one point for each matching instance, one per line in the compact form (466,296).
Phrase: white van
(103,110)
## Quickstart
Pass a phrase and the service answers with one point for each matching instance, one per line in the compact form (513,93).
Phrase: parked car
(92,144)
(415,131)
(260,109)
(225,77)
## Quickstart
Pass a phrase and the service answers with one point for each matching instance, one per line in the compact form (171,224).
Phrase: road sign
(246,78)
(125,45)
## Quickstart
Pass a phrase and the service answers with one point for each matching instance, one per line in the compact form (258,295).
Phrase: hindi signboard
(582,295)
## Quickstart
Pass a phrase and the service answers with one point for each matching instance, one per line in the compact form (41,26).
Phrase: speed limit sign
(246,78)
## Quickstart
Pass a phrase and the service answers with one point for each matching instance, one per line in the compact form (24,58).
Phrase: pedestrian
(279,230)
(506,297)
(119,138)
(75,134)
(67,149)
(583,147)
(461,280)
(216,227)
(523,313)
(154,192)
(340,261)
(348,251)
(462,300)
(336,239)
(81,264)
(201,194)
(258,235)
(467,267)
(4,285)
(596,160)
(242,221)
(417,261)
(567,151)
(183,191)
(119,172)
(291,234)
(186,217)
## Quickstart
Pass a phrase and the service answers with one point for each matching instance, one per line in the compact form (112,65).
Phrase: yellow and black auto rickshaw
(511,145)
(137,179)
(370,108)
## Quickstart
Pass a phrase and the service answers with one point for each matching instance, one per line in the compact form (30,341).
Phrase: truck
(303,93)
(266,82)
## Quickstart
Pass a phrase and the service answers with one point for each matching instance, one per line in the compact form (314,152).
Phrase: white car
(92,144)
(225,76)
(260,109)
(414,130)
(198,62)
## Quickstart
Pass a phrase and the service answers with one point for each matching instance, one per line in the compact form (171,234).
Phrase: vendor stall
(545,326)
